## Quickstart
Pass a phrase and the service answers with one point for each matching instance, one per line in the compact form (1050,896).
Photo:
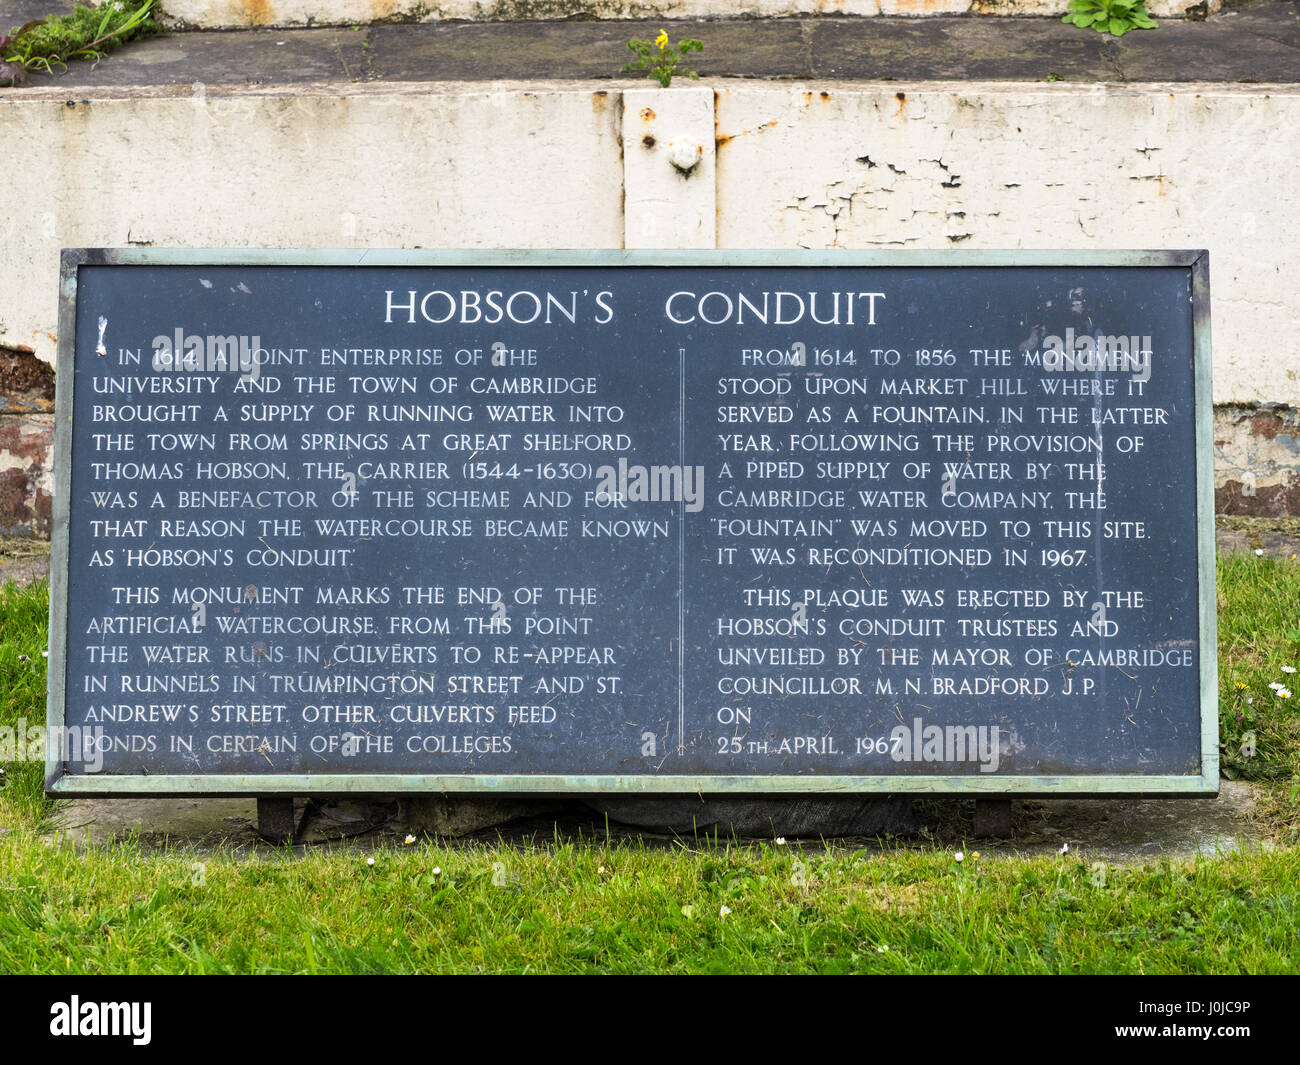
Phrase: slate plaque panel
(653,523)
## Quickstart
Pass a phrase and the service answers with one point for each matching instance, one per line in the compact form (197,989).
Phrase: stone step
(1256,45)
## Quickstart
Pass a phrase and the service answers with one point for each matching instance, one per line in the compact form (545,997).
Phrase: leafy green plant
(1115,17)
(87,33)
(659,58)
(13,71)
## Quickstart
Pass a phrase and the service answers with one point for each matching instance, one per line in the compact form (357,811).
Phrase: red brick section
(1269,501)
(27,435)
(1235,496)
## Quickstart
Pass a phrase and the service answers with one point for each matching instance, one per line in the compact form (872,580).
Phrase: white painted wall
(1102,167)
(548,165)
(345,167)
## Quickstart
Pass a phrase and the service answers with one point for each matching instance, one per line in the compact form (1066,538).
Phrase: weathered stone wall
(240,13)
(732,165)
(1257,460)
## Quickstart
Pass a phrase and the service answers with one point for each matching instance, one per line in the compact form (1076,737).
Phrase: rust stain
(727,138)
(930,7)
(258,12)
(823,95)
(648,141)
(647,114)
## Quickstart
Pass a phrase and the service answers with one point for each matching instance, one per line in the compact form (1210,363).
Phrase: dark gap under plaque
(685,523)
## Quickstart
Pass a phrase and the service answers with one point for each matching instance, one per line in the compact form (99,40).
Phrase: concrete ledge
(1253,46)
(1123,831)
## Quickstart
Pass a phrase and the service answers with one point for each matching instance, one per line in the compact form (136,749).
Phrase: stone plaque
(668,522)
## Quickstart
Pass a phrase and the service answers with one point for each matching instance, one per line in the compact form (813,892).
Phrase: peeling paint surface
(1002,166)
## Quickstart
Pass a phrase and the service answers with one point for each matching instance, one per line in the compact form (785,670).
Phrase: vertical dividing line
(681,556)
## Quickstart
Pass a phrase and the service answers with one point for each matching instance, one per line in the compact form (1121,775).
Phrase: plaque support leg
(275,819)
(993,818)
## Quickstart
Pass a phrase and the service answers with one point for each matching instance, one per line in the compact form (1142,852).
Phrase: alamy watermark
(1088,353)
(77,746)
(78,1018)
(651,484)
(920,742)
(206,353)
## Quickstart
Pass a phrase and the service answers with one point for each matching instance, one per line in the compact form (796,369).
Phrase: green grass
(1259,634)
(600,907)
(591,908)
(24,622)
(88,32)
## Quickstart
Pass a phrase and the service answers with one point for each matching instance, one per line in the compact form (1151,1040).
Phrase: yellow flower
(662,40)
